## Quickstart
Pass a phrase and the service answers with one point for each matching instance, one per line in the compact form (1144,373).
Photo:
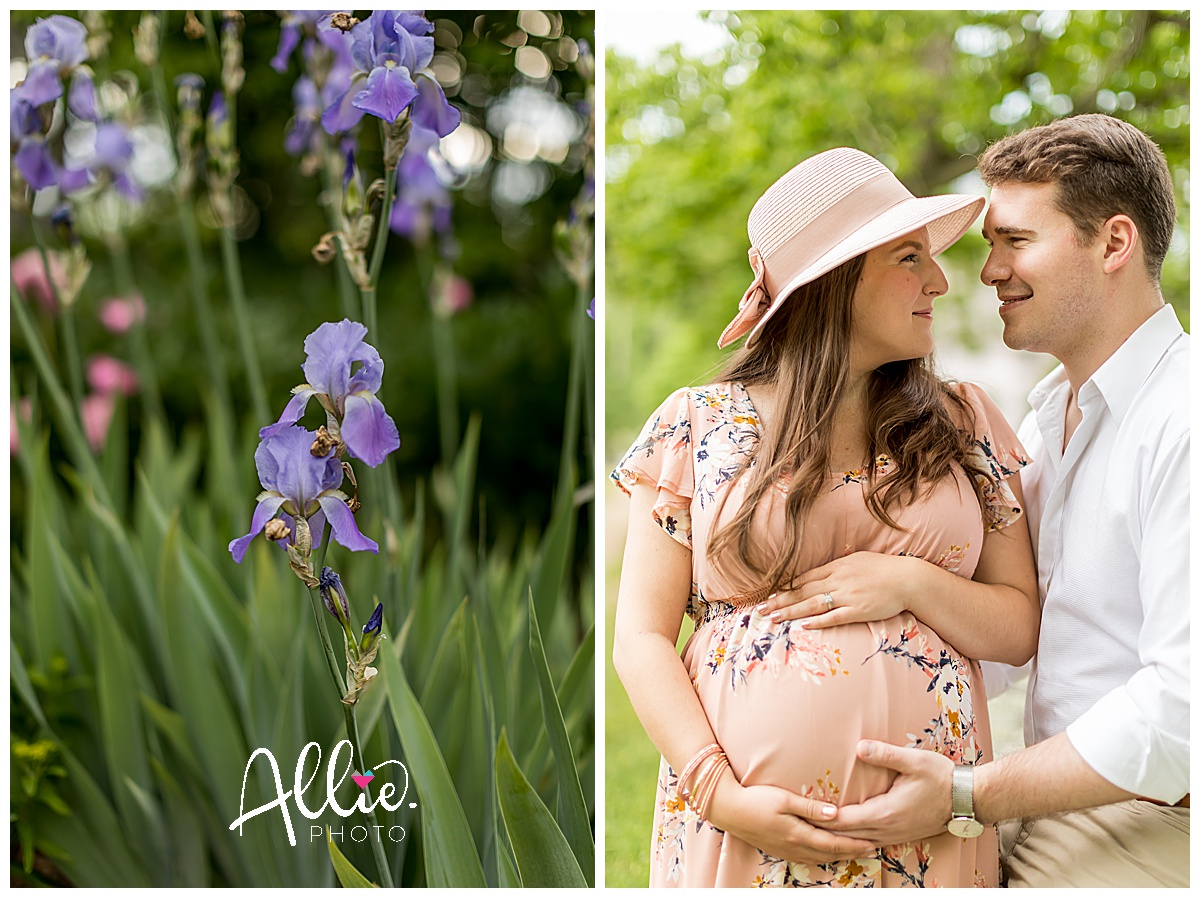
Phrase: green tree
(692,143)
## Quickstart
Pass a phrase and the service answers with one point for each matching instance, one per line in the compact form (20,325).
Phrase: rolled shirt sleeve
(1137,735)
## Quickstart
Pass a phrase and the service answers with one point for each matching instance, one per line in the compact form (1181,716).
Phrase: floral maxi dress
(789,705)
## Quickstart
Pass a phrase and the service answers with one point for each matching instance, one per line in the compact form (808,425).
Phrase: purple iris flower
(32,158)
(422,201)
(331,590)
(23,119)
(35,164)
(297,483)
(53,46)
(299,138)
(591,309)
(371,630)
(347,395)
(292,28)
(389,48)
(81,97)
(111,157)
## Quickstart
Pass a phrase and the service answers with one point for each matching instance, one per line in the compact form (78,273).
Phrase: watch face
(965,827)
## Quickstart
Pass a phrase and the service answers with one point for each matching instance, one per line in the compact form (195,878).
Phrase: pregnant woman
(836,521)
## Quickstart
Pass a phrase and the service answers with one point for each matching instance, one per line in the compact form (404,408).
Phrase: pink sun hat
(828,209)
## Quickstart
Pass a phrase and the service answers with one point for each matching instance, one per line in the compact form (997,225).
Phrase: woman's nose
(937,285)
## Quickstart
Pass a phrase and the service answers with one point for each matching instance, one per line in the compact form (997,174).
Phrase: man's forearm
(1046,778)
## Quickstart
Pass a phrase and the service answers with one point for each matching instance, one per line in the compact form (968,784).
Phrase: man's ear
(1119,238)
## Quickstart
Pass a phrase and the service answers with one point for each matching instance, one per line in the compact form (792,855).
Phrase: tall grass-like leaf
(345,871)
(189,842)
(450,855)
(47,616)
(555,553)
(497,853)
(225,620)
(212,725)
(20,681)
(122,735)
(544,859)
(575,697)
(99,854)
(572,810)
(453,706)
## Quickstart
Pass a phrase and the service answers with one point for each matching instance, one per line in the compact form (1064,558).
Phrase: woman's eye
(911,257)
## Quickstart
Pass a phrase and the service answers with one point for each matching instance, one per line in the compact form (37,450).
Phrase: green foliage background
(513,343)
(691,143)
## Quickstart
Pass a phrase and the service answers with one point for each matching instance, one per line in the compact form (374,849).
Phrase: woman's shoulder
(972,398)
(994,436)
(705,397)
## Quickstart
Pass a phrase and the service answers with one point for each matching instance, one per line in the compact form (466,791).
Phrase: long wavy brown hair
(913,417)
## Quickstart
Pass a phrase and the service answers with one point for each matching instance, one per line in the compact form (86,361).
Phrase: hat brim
(947,217)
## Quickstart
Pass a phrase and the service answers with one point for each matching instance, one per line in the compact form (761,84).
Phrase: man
(1081,214)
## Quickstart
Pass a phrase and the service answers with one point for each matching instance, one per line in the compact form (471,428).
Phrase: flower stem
(237,296)
(326,646)
(71,431)
(350,302)
(385,872)
(127,288)
(210,342)
(67,317)
(385,215)
(444,367)
(381,861)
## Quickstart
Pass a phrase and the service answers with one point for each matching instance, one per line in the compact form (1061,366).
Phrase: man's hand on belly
(781,823)
(915,807)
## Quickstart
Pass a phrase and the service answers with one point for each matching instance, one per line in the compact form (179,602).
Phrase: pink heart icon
(363,778)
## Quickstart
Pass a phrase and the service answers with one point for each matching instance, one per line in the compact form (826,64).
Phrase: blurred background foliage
(517,165)
(692,142)
(696,132)
(146,665)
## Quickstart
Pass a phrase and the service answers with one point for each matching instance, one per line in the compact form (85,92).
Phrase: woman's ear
(1119,240)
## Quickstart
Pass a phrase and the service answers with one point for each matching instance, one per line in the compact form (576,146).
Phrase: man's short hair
(1103,167)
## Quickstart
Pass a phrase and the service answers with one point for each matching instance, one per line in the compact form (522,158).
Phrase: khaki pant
(1130,844)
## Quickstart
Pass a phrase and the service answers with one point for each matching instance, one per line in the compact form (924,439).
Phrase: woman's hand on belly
(863,586)
(781,823)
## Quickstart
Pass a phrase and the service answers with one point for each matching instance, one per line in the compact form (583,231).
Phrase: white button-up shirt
(1110,526)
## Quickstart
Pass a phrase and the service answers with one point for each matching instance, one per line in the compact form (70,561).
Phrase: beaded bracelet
(697,759)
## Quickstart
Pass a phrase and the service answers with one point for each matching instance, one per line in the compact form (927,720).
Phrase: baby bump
(789,705)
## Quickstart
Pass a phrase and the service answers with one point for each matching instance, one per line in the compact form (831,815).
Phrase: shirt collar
(1124,372)
(1047,387)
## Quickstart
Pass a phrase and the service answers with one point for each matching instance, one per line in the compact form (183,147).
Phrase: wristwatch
(962,805)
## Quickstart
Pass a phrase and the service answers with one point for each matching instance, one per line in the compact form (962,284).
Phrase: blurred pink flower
(106,376)
(25,410)
(29,275)
(118,314)
(452,294)
(97,412)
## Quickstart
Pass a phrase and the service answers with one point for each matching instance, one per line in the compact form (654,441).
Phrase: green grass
(631,771)
(631,767)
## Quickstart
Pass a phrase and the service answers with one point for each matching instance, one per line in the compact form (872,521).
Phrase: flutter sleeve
(662,457)
(999,452)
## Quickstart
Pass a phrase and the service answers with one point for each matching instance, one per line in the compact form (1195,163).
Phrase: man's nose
(993,272)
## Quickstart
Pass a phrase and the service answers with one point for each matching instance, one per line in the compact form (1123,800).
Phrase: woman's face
(892,314)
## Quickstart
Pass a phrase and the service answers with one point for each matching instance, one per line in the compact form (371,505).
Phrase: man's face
(1045,280)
